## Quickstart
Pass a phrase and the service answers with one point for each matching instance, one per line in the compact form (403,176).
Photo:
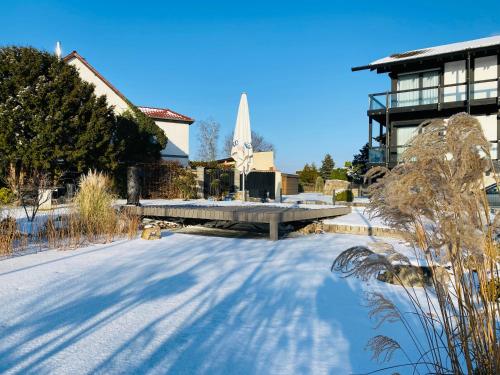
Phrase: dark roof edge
(363,67)
(416,58)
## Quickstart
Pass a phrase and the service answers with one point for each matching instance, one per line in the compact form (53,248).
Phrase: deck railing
(449,93)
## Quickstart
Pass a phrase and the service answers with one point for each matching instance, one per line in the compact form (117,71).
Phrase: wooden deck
(271,215)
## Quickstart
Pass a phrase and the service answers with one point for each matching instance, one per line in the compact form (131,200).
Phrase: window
(430,79)
(403,135)
(485,68)
(454,75)
(408,82)
(417,83)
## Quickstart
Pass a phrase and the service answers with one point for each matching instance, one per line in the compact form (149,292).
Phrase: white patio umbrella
(242,151)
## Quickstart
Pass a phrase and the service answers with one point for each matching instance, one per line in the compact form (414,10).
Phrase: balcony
(390,156)
(381,155)
(435,96)
(377,155)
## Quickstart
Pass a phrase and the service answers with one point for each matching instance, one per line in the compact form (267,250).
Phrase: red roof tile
(164,114)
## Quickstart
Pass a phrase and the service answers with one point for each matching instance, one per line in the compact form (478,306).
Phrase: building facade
(430,83)
(175,125)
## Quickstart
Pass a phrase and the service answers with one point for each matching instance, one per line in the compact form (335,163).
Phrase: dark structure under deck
(272,215)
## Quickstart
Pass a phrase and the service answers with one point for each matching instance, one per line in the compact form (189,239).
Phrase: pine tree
(52,121)
(359,165)
(327,166)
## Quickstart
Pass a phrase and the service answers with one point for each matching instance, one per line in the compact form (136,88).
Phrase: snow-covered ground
(213,203)
(309,197)
(190,304)
(319,197)
(357,218)
(41,217)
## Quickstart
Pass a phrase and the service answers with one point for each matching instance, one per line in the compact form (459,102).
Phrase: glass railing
(376,155)
(374,102)
(433,95)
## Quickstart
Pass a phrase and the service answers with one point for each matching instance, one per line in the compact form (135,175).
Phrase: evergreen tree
(308,174)
(138,137)
(327,166)
(359,165)
(51,120)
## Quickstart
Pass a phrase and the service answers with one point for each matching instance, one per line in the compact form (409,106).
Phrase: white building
(175,125)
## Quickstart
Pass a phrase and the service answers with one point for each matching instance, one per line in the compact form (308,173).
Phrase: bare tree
(32,189)
(208,136)
(259,144)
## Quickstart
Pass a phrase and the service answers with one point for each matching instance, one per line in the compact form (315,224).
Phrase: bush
(447,231)
(94,203)
(186,184)
(320,184)
(6,196)
(8,234)
(344,196)
(493,289)
(339,174)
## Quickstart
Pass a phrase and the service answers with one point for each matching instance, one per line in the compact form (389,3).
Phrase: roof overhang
(383,67)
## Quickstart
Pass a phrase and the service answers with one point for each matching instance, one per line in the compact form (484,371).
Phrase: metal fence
(157,180)
(260,184)
(218,182)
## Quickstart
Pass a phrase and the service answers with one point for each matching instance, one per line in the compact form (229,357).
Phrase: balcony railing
(482,89)
(377,155)
(392,155)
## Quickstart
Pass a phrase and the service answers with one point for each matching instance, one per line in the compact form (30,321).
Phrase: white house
(175,125)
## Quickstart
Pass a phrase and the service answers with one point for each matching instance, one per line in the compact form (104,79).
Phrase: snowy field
(189,304)
(358,218)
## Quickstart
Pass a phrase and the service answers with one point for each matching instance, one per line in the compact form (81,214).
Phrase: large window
(408,82)
(422,89)
(403,135)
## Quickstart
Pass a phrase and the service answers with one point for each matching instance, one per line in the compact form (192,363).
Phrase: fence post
(200,182)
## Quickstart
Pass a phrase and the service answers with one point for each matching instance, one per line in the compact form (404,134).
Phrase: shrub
(493,289)
(186,184)
(94,204)
(339,174)
(344,196)
(319,185)
(8,233)
(436,197)
(308,174)
(6,196)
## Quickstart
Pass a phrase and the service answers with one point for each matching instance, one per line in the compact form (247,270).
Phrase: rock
(337,185)
(380,247)
(151,232)
(414,276)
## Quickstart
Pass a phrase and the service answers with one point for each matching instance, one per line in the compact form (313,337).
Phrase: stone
(337,185)
(151,232)
(414,276)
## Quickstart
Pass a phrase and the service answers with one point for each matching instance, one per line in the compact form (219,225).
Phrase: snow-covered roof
(164,114)
(434,51)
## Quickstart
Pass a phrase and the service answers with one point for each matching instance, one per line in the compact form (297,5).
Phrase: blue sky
(293,58)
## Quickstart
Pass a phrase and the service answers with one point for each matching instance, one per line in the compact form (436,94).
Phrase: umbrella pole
(244,193)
